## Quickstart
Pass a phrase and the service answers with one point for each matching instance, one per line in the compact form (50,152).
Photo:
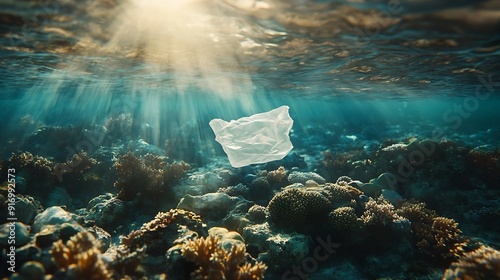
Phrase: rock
(33,271)
(386,181)
(58,197)
(105,210)
(27,253)
(103,236)
(54,215)
(48,235)
(141,147)
(227,238)
(392,196)
(248,178)
(303,177)
(211,206)
(277,250)
(370,189)
(26,208)
(199,184)
(17,229)
(338,271)
(67,230)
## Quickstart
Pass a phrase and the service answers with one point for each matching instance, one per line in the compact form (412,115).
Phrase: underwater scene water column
(249,139)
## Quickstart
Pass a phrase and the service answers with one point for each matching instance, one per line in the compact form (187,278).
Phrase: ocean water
(398,87)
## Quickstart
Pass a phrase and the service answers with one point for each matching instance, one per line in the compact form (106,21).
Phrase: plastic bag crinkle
(256,139)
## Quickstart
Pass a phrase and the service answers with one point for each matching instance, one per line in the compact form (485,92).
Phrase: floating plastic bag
(259,138)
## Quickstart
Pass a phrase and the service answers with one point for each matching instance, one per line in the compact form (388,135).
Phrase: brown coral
(215,263)
(341,194)
(276,176)
(149,174)
(444,240)
(153,235)
(38,168)
(342,219)
(76,165)
(379,212)
(437,237)
(79,258)
(173,172)
(294,207)
(483,263)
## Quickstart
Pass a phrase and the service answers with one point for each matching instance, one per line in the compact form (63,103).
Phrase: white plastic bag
(259,138)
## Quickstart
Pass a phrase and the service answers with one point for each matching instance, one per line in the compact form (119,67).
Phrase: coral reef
(379,213)
(485,162)
(119,126)
(480,264)
(138,174)
(259,189)
(444,240)
(276,176)
(257,213)
(148,174)
(213,206)
(276,249)
(157,235)
(341,194)
(173,172)
(436,237)
(79,258)
(36,168)
(295,207)
(343,219)
(303,177)
(75,166)
(216,263)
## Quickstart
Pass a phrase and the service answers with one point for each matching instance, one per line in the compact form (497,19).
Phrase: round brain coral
(294,207)
(343,218)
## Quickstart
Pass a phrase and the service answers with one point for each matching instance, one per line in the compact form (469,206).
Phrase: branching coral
(76,165)
(149,174)
(379,212)
(119,126)
(38,168)
(154,234)
(215,263)
(173,172)
(137,174)
(486,163)
(483,263)
(443,240)
(79,258)
(276,176)
(438,237)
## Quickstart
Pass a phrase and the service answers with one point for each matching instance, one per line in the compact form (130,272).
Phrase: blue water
(357,76)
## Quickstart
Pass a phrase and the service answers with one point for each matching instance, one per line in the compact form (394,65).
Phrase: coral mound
(295,206)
